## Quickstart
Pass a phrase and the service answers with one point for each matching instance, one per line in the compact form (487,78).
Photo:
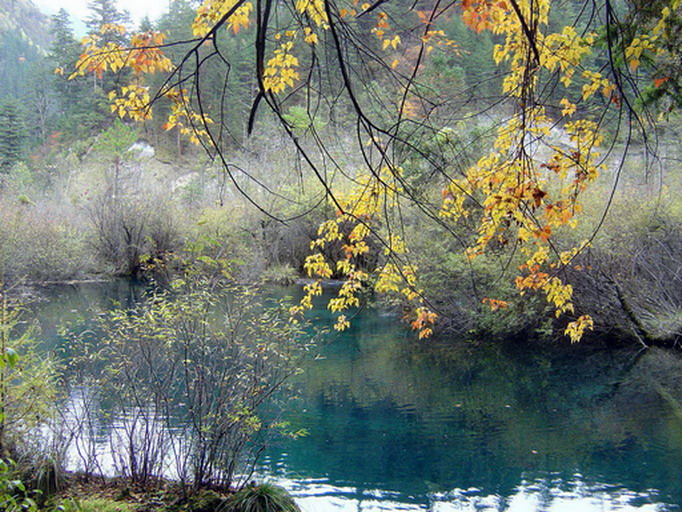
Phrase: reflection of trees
(75,305)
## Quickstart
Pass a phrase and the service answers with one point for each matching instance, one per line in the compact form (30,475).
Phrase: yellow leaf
(569,108)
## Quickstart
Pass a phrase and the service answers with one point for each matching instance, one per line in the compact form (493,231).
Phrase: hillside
(24,37)
(23,19)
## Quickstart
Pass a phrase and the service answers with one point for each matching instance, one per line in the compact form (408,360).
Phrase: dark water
(397,424)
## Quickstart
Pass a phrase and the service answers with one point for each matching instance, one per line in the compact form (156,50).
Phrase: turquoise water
(398,424)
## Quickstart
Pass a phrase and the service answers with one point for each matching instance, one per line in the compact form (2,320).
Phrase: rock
(184,181)
(142,151)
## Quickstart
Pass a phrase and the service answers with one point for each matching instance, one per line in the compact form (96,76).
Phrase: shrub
(206,501)
(263,498)
(191,369)
(40,243)
(127,227)
(27,383)
(27,399)
(14,497)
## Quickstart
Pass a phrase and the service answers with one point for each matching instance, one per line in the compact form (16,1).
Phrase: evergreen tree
(65,48)
(145,25)
(82,107)
(16,58)
(105,12)
(12,134)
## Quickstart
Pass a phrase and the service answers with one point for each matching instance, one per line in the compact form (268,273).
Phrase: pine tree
(146,25)
(65,48)
(81,107)
(105,12)
(12,134)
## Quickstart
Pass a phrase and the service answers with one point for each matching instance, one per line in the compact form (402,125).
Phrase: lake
(445,425)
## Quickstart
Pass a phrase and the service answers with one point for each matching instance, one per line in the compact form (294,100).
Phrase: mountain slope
(24,39)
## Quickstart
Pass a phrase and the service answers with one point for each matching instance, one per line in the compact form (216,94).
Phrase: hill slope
(24,37)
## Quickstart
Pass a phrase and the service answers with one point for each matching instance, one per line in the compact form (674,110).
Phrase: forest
(273,183)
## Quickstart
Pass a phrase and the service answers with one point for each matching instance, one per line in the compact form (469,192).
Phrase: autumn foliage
(521,192)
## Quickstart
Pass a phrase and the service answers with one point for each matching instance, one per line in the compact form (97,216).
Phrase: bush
(14,497)
(28,385)
(456,288)
(40,243)
(631,278)
(191,369)
(27,402)
(206,501)
(263,498)
(128,227)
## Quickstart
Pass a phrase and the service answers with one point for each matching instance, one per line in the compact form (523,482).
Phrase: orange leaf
(660,81)
(538,194)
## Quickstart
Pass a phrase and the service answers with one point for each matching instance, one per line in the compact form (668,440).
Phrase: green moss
(104,505)
(206,501)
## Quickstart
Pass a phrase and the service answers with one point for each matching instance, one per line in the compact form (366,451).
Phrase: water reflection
(112,446)
(552,494)
(396,424)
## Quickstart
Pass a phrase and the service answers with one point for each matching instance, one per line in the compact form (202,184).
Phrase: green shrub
(263,498)
(28,387)
(214,356)
(13,495)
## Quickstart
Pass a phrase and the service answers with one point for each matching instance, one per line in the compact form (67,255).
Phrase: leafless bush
(631,279)
(126,228)
(41,242)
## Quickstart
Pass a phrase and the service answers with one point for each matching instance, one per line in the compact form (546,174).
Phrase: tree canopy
(566,80)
